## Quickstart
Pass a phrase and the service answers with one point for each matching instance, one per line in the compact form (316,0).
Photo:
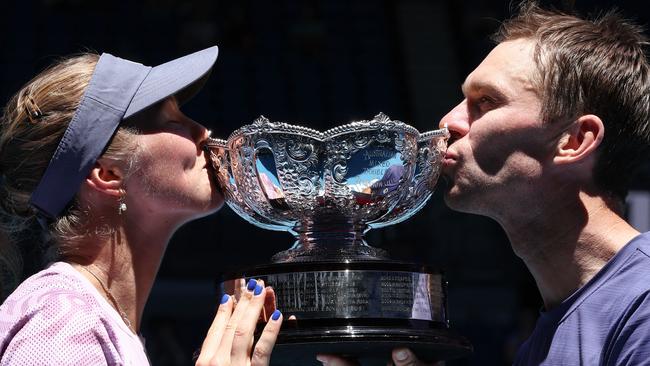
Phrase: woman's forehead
(164,109)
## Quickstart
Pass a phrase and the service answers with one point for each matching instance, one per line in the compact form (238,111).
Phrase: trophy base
(356,309)
(361,253)
(369,341)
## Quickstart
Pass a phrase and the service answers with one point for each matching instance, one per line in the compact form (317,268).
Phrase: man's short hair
(591,66)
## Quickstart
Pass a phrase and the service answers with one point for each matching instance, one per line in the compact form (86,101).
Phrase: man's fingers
(401,357)
(264,346)
(331,360)
(212,340)
(405,357)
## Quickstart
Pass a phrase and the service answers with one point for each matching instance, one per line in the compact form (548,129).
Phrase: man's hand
(401,357)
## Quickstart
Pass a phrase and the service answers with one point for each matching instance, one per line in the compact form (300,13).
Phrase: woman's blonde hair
(32,124)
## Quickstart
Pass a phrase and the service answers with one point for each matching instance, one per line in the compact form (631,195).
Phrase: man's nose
(457,121)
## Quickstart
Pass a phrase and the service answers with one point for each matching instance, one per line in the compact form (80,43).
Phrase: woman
(99,167)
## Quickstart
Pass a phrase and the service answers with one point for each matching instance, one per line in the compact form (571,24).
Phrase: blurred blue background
(320,64)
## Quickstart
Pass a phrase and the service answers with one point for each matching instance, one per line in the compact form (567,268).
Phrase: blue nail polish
(276,315)
(258,290)
(251,284)
(225,298)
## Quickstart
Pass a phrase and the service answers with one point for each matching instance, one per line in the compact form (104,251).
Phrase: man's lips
(449,159)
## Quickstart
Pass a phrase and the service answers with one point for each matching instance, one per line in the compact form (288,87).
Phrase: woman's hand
(230,337)
(401,357)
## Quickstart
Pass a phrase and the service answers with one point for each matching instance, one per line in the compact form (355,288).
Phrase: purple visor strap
(109,93)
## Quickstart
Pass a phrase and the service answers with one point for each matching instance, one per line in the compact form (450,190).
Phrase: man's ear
(106,177)
(581,140)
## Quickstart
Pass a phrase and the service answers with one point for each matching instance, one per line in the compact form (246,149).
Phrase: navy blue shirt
(606,322)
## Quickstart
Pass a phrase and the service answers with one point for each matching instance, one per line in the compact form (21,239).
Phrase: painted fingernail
(258,290)
(276,315)
(225,298)
(251,284)
(401,355)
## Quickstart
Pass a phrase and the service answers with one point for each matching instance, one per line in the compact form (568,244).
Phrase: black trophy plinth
(357,309)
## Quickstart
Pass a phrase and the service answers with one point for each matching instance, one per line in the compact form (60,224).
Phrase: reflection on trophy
(328,189)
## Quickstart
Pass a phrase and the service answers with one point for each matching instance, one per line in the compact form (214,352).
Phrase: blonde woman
(98,168)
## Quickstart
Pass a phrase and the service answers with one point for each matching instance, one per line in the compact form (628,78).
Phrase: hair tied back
(33,111)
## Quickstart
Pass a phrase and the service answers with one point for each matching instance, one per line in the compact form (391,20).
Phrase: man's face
(499,145)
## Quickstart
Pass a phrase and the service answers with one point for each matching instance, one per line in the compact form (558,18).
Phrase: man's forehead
(475,84)
(507,68)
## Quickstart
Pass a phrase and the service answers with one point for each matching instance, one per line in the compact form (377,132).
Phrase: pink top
(57,317)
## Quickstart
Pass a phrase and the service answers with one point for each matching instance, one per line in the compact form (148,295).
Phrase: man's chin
(454,199)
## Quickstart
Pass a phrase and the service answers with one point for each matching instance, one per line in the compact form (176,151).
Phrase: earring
(121,205)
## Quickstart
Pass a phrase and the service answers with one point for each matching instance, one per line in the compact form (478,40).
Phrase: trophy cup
(328,189)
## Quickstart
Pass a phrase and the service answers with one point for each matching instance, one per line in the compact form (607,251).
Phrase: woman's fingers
(231,335)
(264,346)
(225,346)
(242,342)
(212,340)
(269,303)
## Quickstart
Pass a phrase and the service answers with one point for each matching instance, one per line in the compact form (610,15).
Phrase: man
(554,121)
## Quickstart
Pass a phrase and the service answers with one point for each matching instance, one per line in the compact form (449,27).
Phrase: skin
(230,337)
(169,186)
(534,178)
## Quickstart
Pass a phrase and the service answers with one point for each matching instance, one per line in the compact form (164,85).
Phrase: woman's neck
(126,264)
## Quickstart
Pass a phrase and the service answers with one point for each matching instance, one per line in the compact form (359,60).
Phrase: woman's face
(171,176)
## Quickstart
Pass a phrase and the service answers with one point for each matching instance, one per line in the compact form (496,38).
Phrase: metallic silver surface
(358,294)
(328,188)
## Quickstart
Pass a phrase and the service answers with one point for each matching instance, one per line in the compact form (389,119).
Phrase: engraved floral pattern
(282,176)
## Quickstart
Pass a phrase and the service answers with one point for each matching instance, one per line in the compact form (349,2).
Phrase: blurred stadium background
(320,64)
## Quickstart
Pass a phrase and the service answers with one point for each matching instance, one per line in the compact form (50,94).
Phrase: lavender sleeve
(65,332)
(57,318)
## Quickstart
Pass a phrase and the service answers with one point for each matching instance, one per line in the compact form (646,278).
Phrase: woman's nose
(199,133)
(457,121)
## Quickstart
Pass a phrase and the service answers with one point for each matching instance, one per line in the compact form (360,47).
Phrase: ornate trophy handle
(218,153)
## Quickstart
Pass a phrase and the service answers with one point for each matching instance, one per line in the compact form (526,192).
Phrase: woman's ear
(581,140)
(107,176)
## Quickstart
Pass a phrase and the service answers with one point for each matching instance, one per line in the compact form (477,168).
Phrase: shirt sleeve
(632,344)
(64,331)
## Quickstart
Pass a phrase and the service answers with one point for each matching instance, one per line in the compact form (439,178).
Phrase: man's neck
(568,244)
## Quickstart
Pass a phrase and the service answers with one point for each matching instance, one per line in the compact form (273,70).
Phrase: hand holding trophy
(328,189)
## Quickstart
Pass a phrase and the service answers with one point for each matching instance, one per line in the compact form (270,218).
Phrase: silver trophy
(328,189)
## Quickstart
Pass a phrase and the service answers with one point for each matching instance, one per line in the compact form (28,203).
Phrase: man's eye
(481,105)
(485,101)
